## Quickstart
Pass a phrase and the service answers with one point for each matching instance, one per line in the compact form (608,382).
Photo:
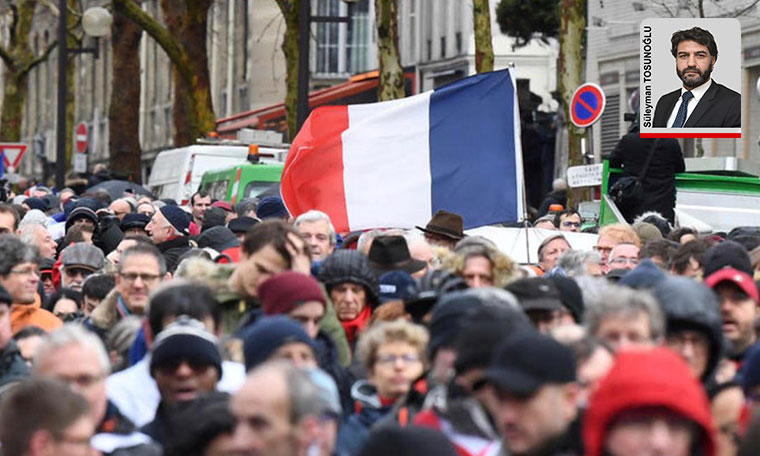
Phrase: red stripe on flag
(313,174)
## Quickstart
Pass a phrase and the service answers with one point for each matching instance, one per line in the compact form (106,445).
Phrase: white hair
(35,216)
(72,334)
(316,216)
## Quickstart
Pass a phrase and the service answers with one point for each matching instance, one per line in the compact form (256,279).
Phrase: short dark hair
(272,232)
(663,248)
(197,423)
(567,212)
(181,297)
(144,249)
(6,208)
(97,286)
(14,251)
(695,249)
(696,34)
(677,233)
(29,331)
(34,405)
(201,193)
(63,293)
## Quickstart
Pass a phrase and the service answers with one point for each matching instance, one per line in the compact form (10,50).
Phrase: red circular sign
(587,105)
(81,138)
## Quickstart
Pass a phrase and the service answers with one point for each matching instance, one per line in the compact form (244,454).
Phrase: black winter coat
(172,250)
(12,366)
(659,183)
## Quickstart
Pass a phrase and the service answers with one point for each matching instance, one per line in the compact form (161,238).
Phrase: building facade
(247,66)
(613,62)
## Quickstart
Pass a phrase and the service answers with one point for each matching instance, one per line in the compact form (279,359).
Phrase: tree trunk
(192,113)
(391,84)
(19,59)
(124,112)
(185,44)
(573,24)
(13,106)
(290,11)
(481,17)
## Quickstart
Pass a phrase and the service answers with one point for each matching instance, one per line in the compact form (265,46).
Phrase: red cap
(741,279)
(640,379)
(287,290)
(223,204)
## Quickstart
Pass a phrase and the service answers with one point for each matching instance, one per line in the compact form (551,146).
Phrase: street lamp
(304,32)
(96,22)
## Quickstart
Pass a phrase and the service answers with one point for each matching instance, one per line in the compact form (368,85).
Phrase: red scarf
(352,327)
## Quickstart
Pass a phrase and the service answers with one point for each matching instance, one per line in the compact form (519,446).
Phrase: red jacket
(647,378)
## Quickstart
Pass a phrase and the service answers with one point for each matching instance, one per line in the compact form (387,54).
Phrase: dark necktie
(681,116)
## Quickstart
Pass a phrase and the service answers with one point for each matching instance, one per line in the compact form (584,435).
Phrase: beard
(691,81)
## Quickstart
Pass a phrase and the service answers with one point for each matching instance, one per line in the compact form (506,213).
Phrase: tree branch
(152,27)
(42,57)
(6,57)
(14,22)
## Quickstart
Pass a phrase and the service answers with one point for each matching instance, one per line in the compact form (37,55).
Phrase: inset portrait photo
(691,78)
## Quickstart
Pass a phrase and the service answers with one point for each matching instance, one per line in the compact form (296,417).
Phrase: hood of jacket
(689,305)
(644,379)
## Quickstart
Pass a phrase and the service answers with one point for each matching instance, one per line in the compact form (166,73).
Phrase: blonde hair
(392,331)
(504,269)
(621,234)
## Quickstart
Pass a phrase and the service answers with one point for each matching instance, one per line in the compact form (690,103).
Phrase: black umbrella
(116,188)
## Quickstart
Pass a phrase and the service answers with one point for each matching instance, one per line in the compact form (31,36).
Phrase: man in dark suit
(701,102)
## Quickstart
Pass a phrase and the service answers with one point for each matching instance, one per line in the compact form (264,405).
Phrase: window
(343,48)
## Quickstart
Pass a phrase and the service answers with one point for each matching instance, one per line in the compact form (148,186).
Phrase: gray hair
(574,262)
(305,399)
(14,252)
(367,237)
(246,205)
(71,334)
(34,216)
(27,232)
(316,216)
(604,300)
(144,249)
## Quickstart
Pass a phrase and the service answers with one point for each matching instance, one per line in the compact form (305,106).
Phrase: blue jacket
(354,432)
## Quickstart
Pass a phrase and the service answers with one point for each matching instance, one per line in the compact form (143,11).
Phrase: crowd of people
(135,326)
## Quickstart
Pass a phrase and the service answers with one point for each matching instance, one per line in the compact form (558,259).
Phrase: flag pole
(524,198)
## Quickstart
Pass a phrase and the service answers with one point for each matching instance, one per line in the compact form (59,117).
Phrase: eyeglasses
(133,276)
(623,260)
(408,358)
(573,224)
(170,366)
(26,271)
(74,271)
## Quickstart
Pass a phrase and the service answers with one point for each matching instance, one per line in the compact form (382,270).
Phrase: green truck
(238,182)
(714,194)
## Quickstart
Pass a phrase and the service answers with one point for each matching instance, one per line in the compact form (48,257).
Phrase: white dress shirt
(698,92)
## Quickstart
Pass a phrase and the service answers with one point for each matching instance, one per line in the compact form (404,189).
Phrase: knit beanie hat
(447,319)
(186,338)
(268,334)
(241,224)
(286,291)
(177,217)
(349,266)
(727,254)
(219,238)
(407,441)
(644,276)
(36,203)
(81,212)
(271,207)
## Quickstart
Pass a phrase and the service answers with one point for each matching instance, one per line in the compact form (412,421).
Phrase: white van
(177,173)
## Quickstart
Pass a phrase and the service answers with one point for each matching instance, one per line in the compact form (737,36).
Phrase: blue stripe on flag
(472,149)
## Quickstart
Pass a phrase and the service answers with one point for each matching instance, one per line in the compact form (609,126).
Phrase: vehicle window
(257,189)
(217,189)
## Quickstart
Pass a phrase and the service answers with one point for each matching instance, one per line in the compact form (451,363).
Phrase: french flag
(395,163)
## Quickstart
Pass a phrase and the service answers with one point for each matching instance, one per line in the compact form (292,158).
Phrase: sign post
(82,142)
(82,138)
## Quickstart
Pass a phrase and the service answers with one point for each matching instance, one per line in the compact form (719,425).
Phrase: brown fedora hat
(389,253)
(445,223)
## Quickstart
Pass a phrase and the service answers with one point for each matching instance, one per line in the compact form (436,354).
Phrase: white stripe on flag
(386,163)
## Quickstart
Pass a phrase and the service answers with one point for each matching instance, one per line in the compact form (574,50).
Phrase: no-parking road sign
(587,105)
